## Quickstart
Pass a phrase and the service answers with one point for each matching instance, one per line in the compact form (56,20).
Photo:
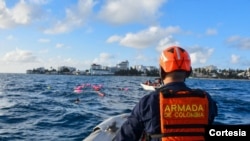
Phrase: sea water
(42,107)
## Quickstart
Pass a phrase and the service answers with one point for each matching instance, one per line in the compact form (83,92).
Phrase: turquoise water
(42,107)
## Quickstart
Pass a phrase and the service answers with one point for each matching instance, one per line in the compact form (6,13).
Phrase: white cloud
(200,55)
(44,51)
(39,2)
(114,38)
(59,45)
(104,59)
(166,42)
(106,56)
(18,55)
(233,39)
(58,61)
(239,42)
(235,59)
(145,38)
(211,31)
(126,11)
(21,14)
(10,37)
(43,40)
(76,16)
(141,57)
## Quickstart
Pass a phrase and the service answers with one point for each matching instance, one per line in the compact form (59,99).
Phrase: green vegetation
(196,73)
(221,73)
(135,72)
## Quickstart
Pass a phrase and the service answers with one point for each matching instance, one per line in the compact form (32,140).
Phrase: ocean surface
(37,107)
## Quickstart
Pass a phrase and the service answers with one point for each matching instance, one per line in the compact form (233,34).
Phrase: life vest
(183,115)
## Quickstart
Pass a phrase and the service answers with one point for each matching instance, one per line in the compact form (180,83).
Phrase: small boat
(106,130)
(148,87)
(151,86)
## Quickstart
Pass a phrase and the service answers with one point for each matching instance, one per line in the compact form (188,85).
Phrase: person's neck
(170,80)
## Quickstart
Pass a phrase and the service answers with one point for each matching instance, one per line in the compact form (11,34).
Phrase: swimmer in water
(77,100)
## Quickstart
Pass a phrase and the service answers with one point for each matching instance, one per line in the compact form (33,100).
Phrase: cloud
(43,40)
(76,16)
(141,57)
(127,11)
(240,61)
(239,42)
(59,45)
(57,61)
(144,38)
(10,37)
(44,51)
(106,56)
(211,31)
(21,14)
(39,2)
(104,59)
(235,59)
(166,42)
(21,56)
(200,55)
(114,38)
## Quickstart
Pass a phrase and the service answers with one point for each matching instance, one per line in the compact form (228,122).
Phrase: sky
(78,33)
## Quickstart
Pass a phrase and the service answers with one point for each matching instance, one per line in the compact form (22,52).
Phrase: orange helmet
(175,58)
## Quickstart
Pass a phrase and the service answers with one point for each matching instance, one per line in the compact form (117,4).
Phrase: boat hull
(147,87)
(106,130)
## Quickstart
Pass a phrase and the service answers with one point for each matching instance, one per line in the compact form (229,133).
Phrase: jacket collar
(175,86)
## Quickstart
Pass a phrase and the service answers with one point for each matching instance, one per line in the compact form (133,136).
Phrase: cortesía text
(241,132)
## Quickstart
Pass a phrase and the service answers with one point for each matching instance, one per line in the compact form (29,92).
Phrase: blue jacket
(145,117)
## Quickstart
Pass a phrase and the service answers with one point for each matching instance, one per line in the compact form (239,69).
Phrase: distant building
(96,69)
(29,71)
(62,68)
(39,70)
(151,68)
(144,68)
(123,65)
(113,69)
(140,68)
(211,68)
(78,72)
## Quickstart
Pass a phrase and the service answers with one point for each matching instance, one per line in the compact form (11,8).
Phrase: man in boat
(157,82)
(148,82)
(174,111)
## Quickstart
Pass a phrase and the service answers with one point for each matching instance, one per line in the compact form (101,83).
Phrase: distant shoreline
(208,78)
